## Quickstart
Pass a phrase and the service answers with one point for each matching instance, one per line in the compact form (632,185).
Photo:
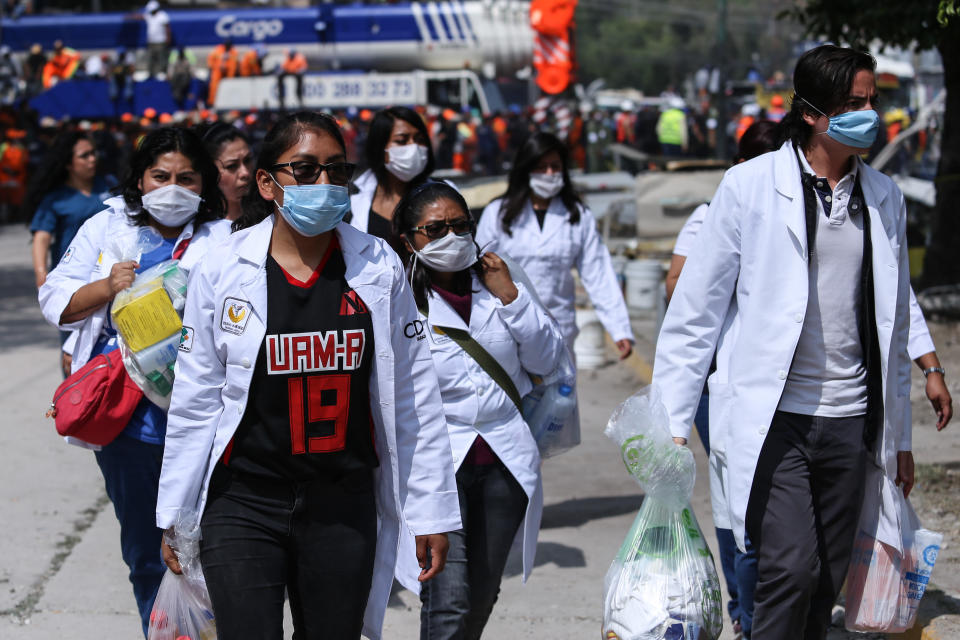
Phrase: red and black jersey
(308,412)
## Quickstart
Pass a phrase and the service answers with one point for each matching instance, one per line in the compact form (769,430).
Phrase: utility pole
(722,72)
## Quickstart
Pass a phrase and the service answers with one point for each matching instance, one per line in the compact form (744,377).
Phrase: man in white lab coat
(800,283)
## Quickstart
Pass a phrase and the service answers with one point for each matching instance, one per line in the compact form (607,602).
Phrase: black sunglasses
(435,230)
(308,172)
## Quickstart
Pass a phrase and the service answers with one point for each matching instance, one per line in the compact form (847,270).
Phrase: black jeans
(802,519)
(316,540)
(458,602)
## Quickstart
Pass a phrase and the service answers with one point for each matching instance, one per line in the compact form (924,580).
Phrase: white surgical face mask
(407,161)
(172,205)
(546,185)
(448,254)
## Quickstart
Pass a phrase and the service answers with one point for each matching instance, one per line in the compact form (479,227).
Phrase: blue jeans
(131,475)
(457,603)
(739,569)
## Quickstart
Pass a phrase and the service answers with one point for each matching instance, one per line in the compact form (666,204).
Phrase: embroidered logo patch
(186,339)
(67,256)
(235,314)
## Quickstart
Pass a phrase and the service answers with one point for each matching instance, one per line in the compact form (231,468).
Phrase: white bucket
(589,347)
(643,283)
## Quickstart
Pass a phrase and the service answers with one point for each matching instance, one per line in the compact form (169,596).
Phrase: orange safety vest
(13,173)
(250,64)
(295,64)
(60,66)
(223,64)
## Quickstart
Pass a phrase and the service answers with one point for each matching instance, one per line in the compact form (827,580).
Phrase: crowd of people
(379,463)
(346,404)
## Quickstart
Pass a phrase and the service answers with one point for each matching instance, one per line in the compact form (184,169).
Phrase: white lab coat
(415,485)
(88,259)
(361,201)
(743,293)
(548,255)
(523,339)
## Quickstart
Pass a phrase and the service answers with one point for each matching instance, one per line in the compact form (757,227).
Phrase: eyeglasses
(308,172)
(435,230)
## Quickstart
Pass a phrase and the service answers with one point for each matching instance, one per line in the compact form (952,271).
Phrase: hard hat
(150,112)
(776,100)
(126,117)
(152,6)
(165,118)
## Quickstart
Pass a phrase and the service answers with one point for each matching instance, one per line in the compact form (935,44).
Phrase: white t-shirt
(156,26)
(688,235)
(827,377)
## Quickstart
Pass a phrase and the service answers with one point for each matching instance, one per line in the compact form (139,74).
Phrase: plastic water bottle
(552,411)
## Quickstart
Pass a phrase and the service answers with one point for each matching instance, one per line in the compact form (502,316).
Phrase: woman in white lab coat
(398,155)
(306,426)
(541,223)
(172,189)
(498,466)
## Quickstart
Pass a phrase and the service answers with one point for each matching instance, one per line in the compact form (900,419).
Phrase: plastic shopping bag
(147,316)
(182,609)
(884,586)
(663,584)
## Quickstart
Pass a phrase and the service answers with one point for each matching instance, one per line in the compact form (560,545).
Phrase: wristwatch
(940,370)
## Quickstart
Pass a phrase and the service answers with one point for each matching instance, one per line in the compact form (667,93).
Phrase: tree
(919,24)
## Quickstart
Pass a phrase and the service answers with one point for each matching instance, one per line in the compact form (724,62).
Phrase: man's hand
(681,441)
(625,347)
(432,551)
(905,471)
(66,363)
(940,398)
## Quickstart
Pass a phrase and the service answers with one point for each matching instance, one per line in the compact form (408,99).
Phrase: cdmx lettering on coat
(414,329)
(316,351)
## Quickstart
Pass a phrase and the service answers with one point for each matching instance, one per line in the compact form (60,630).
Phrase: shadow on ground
(21,323)
(579,511)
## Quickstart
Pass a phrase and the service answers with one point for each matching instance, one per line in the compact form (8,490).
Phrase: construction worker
(672,128)
(13,172)
(61,65)
(251,64)
(223,63)
(776,111)
(294,64)
(626,123)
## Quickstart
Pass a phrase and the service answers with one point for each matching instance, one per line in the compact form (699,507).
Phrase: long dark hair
(166,140)
(821,83)
(518,185)
(759,138)
(214,136)
(52,173)
(379,135)
(283,135)
(405,217)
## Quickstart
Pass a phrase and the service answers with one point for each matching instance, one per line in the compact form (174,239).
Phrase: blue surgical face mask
(312,209)
(856,129)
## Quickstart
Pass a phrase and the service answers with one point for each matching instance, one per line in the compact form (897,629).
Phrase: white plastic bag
(884,587)
(182,607)
(663,584)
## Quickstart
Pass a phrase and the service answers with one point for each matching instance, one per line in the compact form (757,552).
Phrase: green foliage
(860,22)
(948,9)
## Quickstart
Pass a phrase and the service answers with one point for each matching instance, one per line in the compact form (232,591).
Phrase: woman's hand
(170,557)
(905,471)
(437,545)
(496,277)
(625,347)
(121,276)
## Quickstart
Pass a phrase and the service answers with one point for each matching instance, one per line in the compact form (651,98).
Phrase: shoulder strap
(483,358)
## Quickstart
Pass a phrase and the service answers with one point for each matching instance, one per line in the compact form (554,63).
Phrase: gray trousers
(802,519)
